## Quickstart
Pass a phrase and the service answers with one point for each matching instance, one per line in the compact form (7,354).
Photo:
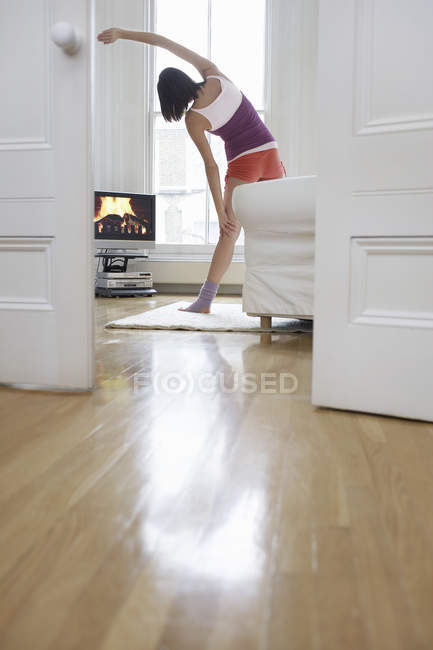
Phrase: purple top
(244,130)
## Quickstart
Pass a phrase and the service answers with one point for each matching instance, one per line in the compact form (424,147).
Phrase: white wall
(121,98)
(292,116)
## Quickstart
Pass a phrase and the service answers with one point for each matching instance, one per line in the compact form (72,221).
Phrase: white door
(46,197)
(373,332)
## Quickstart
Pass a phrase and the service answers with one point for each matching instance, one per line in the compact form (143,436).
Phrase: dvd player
(124,283)
(113,275)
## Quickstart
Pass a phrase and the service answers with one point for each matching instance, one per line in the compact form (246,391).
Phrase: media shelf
(129,293)
(115,280)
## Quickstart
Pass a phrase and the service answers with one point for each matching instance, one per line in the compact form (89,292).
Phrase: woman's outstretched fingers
(109,35)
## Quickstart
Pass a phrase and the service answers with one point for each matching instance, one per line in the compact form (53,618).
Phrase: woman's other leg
(222,255)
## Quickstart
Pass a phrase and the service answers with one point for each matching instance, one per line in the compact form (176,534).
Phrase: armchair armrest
(278,218)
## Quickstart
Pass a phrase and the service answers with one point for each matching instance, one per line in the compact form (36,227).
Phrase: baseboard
(179,288)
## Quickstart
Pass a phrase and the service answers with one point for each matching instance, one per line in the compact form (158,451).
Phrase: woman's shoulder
(213,71)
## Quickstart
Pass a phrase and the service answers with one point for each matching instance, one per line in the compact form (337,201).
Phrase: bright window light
(232,34)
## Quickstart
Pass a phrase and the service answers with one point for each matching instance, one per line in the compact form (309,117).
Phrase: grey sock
(207,294)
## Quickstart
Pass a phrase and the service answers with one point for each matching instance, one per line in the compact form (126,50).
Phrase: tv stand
(115,280)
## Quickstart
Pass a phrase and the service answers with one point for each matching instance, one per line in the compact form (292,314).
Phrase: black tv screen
(124,217)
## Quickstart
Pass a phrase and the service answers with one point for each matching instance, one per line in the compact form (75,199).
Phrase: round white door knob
(65,36)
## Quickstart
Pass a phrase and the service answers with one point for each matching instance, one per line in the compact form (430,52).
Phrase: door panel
(46,196)
(373,341)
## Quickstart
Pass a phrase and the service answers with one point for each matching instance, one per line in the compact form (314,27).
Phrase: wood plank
(227,520)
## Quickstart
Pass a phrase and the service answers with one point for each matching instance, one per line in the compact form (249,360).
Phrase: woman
(220,108)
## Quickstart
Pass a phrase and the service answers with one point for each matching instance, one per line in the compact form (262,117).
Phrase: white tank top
(224,106)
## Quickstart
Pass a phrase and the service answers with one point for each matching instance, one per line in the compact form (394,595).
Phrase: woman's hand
(109,35)
(227,226)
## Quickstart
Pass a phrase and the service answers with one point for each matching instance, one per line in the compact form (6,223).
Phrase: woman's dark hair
(176,90)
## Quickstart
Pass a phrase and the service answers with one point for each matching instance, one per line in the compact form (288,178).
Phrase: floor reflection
(202,519)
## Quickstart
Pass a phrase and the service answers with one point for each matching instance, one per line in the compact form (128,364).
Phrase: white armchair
(278,219)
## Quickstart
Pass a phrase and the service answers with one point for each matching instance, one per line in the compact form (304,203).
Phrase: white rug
(224,317)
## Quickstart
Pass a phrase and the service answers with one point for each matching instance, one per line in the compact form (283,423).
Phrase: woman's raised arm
(200,62)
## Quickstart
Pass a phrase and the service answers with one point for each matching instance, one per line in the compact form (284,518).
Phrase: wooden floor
(181,507)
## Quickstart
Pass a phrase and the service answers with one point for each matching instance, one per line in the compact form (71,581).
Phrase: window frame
(189,252)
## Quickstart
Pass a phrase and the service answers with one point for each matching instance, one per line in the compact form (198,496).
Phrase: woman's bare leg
(223,253)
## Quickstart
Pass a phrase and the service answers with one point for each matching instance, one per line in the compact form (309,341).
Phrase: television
(124,220)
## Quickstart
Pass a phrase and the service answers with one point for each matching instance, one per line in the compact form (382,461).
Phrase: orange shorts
(257,166)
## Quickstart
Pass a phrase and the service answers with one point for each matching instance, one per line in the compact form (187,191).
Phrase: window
(232,34)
